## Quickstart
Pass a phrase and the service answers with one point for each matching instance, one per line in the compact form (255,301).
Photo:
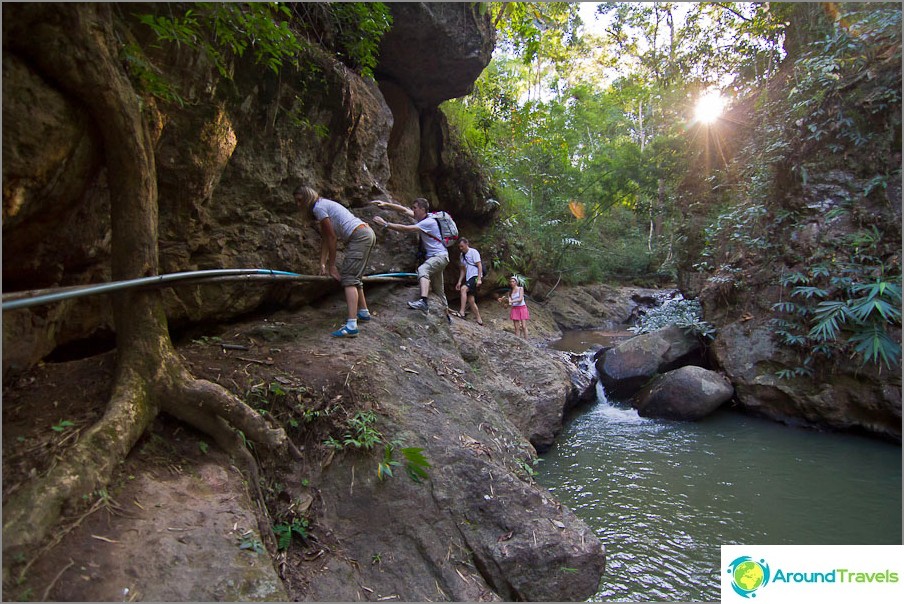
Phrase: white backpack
(448,230)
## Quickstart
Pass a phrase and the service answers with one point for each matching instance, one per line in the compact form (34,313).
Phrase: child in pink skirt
(519,313)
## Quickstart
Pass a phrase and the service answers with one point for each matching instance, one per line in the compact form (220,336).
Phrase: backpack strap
(439,228)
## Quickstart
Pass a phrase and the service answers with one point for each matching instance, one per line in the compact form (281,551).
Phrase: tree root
(34,510)
(150,376)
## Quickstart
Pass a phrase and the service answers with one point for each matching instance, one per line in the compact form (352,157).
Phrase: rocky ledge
(477,401)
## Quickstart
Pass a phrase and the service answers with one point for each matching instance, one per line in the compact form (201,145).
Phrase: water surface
(663,496)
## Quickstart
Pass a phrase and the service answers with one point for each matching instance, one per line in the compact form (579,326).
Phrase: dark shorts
(357,253)
(472,284)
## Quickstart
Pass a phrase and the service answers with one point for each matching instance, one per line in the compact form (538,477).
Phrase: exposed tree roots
(76,47)
(89,465)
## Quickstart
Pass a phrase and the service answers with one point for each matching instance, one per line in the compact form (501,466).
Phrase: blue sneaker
(345,332)
(364,315)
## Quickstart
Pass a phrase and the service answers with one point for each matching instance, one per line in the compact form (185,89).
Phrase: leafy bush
(845,310)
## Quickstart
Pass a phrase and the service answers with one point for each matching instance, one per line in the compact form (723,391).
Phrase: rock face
(864,400)
(688,393)
(475,528)
(435,51)
(228,157)
(625,368)
(595,306)
(803,231)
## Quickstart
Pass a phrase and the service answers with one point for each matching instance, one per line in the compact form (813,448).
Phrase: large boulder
(688,393)
(628,366)
(436,50)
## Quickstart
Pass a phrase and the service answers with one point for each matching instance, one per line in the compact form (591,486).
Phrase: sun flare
(709,107)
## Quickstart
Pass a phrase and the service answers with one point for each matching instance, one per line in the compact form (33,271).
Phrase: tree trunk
(74,47)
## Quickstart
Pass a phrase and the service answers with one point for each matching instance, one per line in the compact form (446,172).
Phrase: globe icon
(748,575)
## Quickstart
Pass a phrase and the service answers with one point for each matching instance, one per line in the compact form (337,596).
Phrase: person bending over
(335,223)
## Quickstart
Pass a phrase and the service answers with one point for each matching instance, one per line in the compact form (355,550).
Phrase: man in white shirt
(431,271)
(469,278)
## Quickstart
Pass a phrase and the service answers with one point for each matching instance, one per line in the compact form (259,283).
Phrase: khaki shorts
(357,253)
(432,270)
(432,266)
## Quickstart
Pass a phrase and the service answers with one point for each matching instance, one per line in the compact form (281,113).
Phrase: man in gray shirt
(431,271)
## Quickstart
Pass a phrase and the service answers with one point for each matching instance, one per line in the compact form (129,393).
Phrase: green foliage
(740,231)
(835,102)
(250,543)
(687,314)
(532,29)
(416,463)
(848,308)
(146,76)
(361,26)
(362,434)
(223,30)
(672,45)
(284,532)
(526,468)
(62,425)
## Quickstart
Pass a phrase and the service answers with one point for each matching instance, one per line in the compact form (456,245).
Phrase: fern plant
(285,531)
(850,308)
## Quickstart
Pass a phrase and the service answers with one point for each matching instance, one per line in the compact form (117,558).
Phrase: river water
(663,495)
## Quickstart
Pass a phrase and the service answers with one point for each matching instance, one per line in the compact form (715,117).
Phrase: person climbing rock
(469,278)
(430,272)
(335,223)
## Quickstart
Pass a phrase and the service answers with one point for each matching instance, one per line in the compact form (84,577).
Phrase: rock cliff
(228,155)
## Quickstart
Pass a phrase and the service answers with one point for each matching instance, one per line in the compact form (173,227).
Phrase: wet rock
(688,393)
(626,367)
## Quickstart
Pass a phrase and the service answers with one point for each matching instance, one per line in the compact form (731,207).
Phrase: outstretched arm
(394,207)
(394,226)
